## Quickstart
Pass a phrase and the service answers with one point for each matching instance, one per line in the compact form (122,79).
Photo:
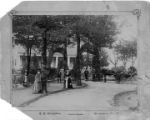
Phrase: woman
(68,81)
(59,76)
(37,82)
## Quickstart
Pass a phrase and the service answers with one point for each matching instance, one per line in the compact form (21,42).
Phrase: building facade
(19,58)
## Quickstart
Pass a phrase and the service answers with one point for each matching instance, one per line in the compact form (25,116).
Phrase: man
(86,74)
(44,77)
(59,76)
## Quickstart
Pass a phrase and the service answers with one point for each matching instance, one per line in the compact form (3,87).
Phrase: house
(19,57)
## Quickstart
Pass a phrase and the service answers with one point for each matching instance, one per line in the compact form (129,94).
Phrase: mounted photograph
(75,62)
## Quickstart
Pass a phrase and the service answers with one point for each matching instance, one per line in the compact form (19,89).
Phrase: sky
(127,25)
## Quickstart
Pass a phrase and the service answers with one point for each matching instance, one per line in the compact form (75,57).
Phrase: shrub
(17,79)
(132,71)
(31,78)
(120,72)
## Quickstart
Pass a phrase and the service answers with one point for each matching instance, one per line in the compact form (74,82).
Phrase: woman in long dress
(37,83)
(68,82)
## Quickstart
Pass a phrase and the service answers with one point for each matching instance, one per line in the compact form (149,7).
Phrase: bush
(31,78)
(132,71)
(18,79)
(120,72)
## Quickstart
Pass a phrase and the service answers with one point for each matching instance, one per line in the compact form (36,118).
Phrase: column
(68,62)
(56,62)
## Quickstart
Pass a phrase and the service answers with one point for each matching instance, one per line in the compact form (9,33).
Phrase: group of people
(65,76)
(40,82)
(68,81)
(41,77)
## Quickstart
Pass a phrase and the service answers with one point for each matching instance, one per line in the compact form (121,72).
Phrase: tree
(126,50)
(47,24)
(101,31)
(132,51)
(87,54)
(115,59)
(56,32)
(25,35)
(72,27)
(97,31)
(35,63)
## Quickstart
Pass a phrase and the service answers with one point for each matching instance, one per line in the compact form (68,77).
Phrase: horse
(106,72)
(119,75)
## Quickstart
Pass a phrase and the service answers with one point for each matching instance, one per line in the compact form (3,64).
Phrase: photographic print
(75,62)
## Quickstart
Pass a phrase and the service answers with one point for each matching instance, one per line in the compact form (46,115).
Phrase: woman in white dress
(37,82)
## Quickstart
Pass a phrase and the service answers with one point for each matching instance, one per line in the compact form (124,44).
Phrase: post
(78,75)
(44,49)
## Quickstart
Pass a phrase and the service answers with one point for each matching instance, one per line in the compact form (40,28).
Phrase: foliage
(126,50)
(23,30)
(120,72)
(53,33)
(47,24)
(119,69)
(25,35)
(115,59)
(34,62)
(132,71)
(96,32)
(100,31)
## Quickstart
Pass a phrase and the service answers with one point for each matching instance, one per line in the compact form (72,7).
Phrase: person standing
(37,83)
(68,81)
(44,77)
(25,82)
(86,74)
(59,76)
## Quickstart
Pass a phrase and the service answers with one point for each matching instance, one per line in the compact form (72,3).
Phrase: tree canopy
(127,50)
(52,33)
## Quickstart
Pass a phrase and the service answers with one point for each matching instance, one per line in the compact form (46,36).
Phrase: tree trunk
(96,63)
(78,75)
(44,49)
(28,60)
(50,57)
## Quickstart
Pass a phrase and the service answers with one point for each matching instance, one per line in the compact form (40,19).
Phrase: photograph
(75,62)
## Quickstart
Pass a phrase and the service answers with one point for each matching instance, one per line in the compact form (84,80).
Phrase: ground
(84,103)
(96,96)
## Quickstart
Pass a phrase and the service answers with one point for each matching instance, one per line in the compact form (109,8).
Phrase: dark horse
(106,72)
(118,75)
